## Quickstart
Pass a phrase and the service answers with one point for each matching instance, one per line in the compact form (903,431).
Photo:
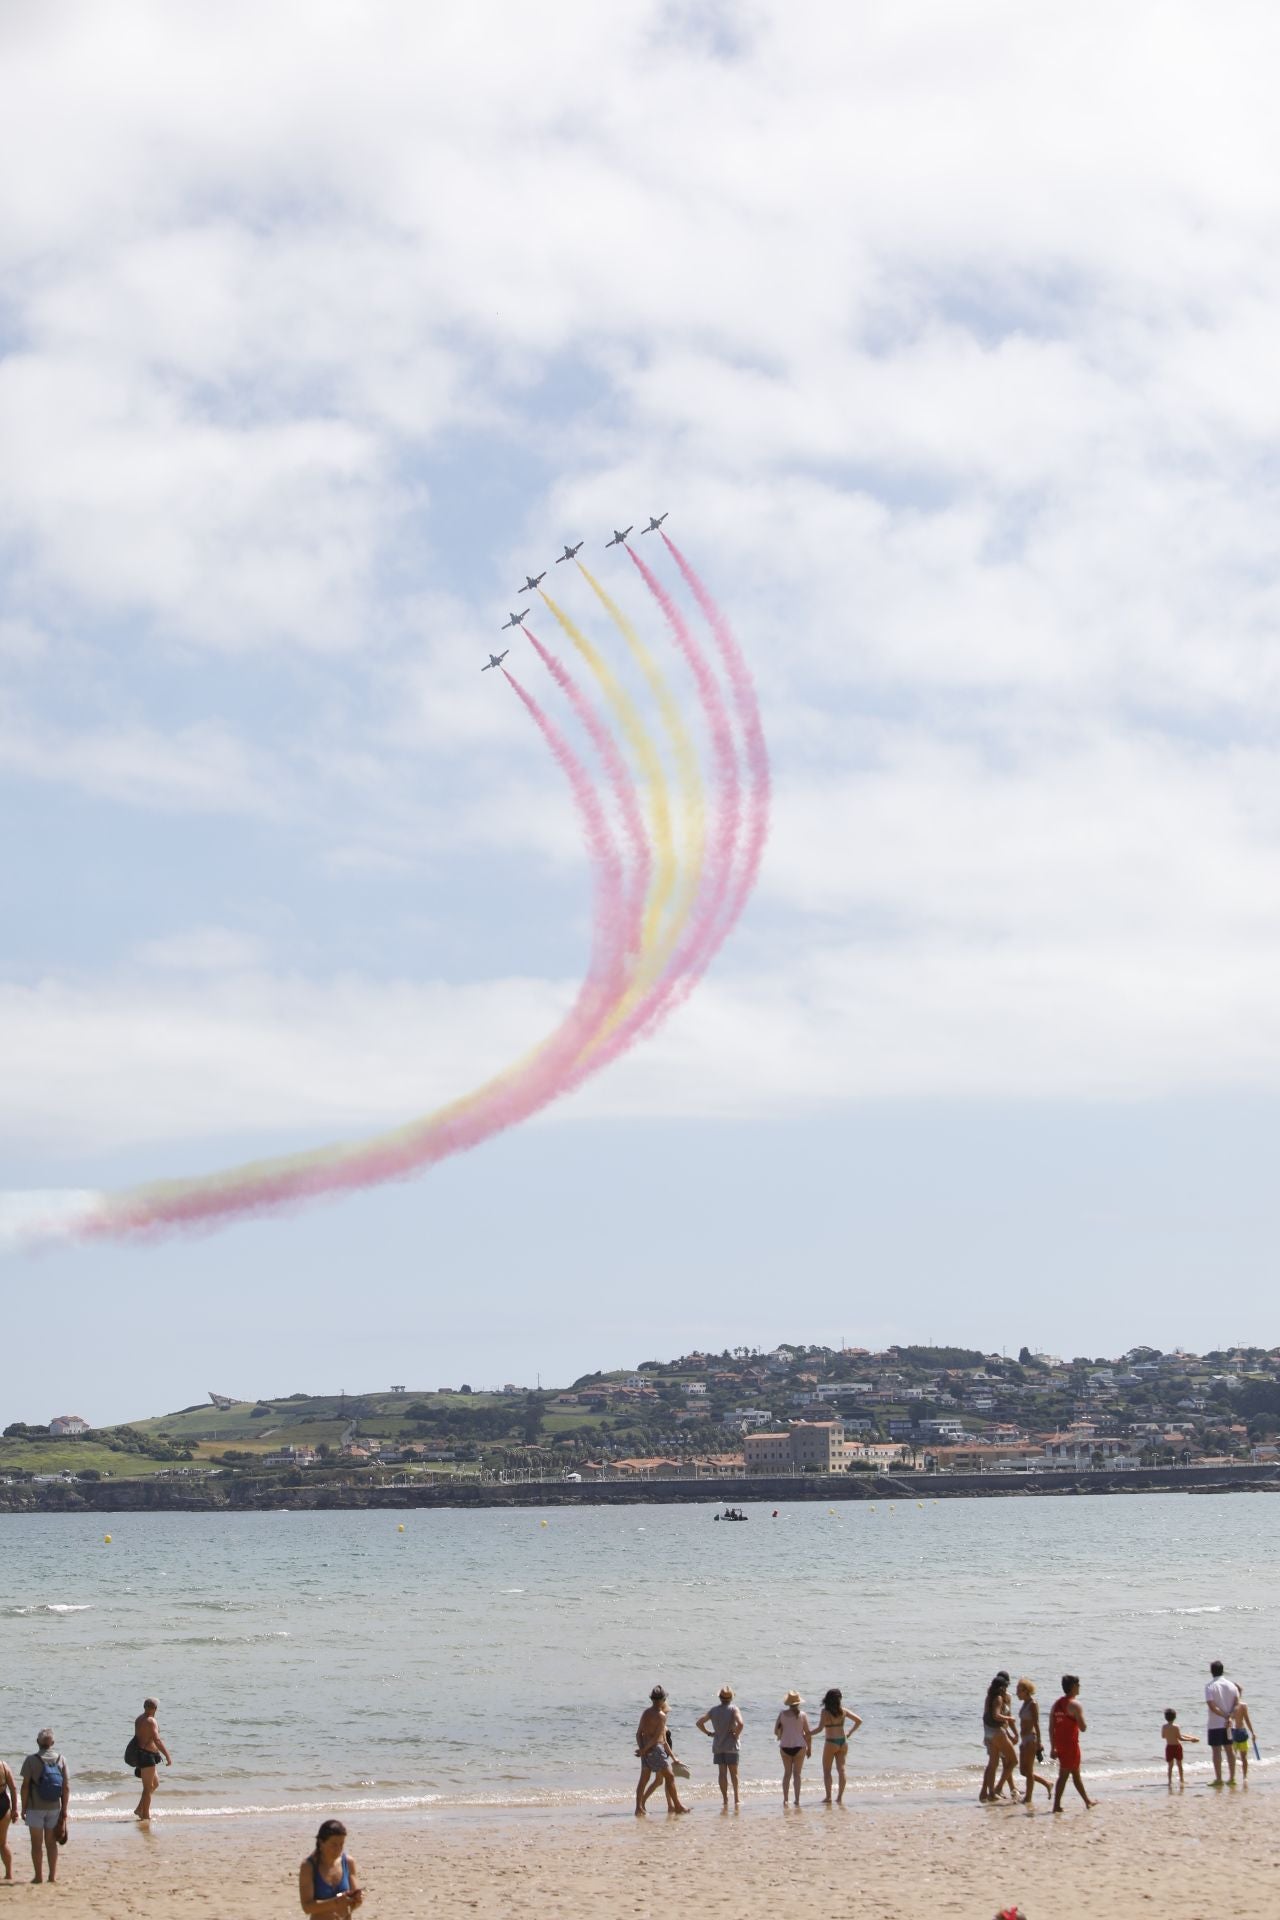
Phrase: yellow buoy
(400,1528)
(542,1523)
(106,1539)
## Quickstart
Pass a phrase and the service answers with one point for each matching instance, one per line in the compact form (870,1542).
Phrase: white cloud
(947,337)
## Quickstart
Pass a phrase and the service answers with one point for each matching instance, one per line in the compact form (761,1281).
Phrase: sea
(433,1661)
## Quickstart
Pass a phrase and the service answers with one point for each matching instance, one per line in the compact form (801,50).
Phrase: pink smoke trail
(709,927)
(620,782)
(502,1103)
(722,745)
(748,711)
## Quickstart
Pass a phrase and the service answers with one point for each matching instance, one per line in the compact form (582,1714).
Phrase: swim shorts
(657,1760)
(43,1819)
(1239,1738)
(1219,1736)
(728,1757)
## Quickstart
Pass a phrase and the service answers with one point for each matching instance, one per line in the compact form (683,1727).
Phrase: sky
(947,337)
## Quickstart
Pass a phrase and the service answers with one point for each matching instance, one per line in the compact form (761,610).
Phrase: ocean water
(309,1662)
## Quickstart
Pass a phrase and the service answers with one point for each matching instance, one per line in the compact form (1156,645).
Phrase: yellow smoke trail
(652,778)
(689,779)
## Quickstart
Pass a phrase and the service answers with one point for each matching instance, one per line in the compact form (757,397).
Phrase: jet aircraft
(619,538)
(654,524)
(514,620)
(531,582)
(568,553)
(494,660)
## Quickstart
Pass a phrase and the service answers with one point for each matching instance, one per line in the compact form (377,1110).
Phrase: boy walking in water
(1173,1739)
(654,1749)
(1066,1724)
(723,1724)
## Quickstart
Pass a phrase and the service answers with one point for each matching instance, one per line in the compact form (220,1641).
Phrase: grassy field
(260,1427)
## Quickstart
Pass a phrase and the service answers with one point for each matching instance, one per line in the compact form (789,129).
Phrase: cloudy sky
(947,334)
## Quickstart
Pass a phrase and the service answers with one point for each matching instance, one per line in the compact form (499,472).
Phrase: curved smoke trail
(660,915)
(501,1103)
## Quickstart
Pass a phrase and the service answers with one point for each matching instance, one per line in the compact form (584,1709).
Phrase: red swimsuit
(1064,1730)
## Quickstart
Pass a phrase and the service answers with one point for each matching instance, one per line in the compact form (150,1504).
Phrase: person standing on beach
(794,1736)
(832,1722)
(1173,1740)
(1241,1734)
(1066,1724)
(1030,1745)
(8,1814)
(151,1749)
(46,1790)
(1222,1697)
(723,1724)
(656,1761)
(327,1877)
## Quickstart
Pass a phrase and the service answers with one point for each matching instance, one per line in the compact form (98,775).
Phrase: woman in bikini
(8,1813)
(794,1736)
(832,1721)
(1030,1745)
(327,1878)
(997,1737)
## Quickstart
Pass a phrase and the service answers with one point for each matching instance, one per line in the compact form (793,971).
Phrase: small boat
(731,1513)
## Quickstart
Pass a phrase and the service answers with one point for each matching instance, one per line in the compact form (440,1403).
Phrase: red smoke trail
(620,782)
(706,934)
(501,1103)
(722,745)
(748,711)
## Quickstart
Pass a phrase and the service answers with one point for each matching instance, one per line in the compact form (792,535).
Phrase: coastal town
(792,1411)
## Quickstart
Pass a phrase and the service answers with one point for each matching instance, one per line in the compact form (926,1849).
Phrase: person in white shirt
(1222,1697)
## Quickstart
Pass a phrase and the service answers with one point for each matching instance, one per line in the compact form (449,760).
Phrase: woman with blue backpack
(46,1789)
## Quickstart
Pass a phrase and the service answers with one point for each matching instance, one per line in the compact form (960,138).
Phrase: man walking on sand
(46,1789)
(151,1750)
(1222,1697)
(656,1761)
(1066,1724)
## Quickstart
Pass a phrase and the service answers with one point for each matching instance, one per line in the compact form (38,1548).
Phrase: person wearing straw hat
(794,1736)
(723,1726)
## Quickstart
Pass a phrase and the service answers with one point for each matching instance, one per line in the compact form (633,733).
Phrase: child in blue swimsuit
(327,1878)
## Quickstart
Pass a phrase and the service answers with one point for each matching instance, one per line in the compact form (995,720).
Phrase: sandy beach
(1141,1852)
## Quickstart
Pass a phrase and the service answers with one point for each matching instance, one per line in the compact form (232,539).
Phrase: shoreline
(245,1495)
(1181,1855)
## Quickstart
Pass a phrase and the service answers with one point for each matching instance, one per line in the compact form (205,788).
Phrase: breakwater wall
(303,1493)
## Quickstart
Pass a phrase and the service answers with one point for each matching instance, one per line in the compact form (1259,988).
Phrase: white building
(66,1423)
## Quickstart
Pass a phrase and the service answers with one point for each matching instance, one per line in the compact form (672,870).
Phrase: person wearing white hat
(794,1736)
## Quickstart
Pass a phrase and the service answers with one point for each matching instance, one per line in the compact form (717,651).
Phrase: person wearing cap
(657,1763)
(46,1789)
(723,1726)
(794,1736)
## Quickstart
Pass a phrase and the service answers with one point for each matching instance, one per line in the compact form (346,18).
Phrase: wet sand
(1184,1857)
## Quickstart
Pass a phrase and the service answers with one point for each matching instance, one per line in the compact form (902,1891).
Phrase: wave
(49,1606)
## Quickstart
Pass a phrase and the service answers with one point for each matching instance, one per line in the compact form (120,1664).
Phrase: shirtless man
(654,1749)
(151,1750)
